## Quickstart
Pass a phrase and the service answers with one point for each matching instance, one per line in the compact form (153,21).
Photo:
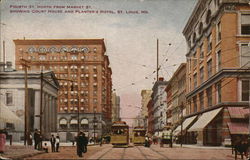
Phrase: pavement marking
(144,155)
(158,152)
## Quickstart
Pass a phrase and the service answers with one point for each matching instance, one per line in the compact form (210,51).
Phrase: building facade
(12,90)
(84,75)
(159,106)
(116,108)
(218,76)
(176,91)
(145,98)
(150,119)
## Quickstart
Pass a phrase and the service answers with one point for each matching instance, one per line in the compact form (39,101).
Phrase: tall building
(84,75)
(159,106)
(150,120)
(145,97)
(218,76)
(115,107)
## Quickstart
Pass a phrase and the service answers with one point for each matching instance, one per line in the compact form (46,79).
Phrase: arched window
(84,123)
(73,123)
(63,123)
(208,18)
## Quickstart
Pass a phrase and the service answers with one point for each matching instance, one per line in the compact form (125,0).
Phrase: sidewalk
(18,151)
(201,146)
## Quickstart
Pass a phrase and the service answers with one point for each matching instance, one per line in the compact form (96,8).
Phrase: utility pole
(41,102)
(157,63)
(26,108)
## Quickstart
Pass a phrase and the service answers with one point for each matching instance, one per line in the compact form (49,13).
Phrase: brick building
(84,75)
(218,76)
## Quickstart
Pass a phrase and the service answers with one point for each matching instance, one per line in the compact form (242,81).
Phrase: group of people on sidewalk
(54,141)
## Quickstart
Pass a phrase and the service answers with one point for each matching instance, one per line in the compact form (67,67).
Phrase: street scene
(134,79)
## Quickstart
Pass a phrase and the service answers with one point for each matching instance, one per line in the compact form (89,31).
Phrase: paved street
(141,152)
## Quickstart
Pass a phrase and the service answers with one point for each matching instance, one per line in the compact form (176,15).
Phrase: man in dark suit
(53,142)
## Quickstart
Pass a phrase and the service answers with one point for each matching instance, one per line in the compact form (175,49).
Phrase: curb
(21,157)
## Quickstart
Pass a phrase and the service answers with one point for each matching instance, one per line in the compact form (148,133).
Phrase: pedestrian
(36,138)
(40,140)
(53,142)
(57,143)
(85,143)
(79,144)
(2,141)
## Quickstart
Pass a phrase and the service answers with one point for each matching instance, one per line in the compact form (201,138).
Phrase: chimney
(161,79)
(2,66)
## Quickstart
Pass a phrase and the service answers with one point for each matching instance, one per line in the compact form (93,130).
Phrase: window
(201,97)
(200,28)
(194,38)
(218,27)
(201,51)
(195,60)
(209,96)
(245,24)
(42,58)
(245,55)
(218,87)
(209,43)
(195,80)
(245,90)
(9,99)
(208,18)
(209,68)
(218,65)
(74,57)
(195,104)
(202,75)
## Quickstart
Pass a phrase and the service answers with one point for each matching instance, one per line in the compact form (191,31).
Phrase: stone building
(218,76)
(84,75)
(176,100)
(159,106)
(12,91)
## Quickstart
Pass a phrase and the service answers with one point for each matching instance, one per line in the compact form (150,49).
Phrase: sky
(130,29)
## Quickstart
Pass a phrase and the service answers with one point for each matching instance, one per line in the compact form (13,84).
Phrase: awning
(238,128)
(238,112)
(84,121)
(185,124)
(204,120)
(7,116)
(73,121)
(63,122)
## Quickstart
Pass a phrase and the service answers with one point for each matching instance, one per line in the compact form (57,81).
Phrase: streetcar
(166,135)
(120,134)
(139,135)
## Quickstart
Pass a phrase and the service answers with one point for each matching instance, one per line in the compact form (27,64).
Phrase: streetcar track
(123,153)
(144,155)
(105,153)
(158,152)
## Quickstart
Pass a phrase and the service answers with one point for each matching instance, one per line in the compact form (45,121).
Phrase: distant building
(176,96)
(150,119)
(159,106)
(84,75)
(12,95)
(145,97)
(116,108)
(218,76)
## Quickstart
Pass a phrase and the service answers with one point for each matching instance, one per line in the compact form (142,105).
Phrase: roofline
(59,42)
